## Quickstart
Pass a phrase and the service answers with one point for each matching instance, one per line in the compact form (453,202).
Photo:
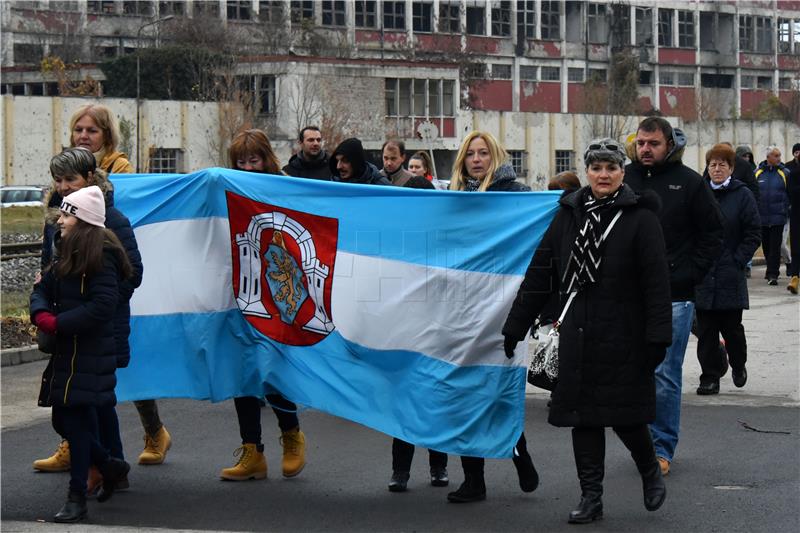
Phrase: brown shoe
(155,448)
(664,464)
(294,452)
(58,462)
(251,464)
(793,284)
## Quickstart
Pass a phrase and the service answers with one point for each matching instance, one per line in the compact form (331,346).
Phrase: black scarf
(587,250)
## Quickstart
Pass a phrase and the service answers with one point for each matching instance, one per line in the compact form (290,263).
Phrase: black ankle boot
(114,470)
(653,486)
(528,476)
(472,490)
(73,510)
(589,509)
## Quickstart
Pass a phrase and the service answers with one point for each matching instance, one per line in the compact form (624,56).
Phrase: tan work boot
(251,465)
(793,283)
(294,452)
(58,462)
(664,465)
(155,448)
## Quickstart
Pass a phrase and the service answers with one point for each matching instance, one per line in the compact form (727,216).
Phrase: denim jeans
(669,376)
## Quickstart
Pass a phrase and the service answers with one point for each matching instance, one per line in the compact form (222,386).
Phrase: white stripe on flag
(451,315)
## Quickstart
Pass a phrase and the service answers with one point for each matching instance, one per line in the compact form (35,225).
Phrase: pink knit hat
(87,204)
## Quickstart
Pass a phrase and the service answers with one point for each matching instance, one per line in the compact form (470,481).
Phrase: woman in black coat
(617,329)
(722,295)
(74,301)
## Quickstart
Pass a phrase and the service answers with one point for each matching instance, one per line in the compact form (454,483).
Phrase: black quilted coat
(606,360)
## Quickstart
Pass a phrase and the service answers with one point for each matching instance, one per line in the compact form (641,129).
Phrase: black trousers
(78,425)
(403,454)
(794,240)
(248,410)
(771,237)
(473,466)
(712,324)
(108,430)
(148,414)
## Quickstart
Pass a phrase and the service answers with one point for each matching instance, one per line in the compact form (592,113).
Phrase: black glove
(508,345)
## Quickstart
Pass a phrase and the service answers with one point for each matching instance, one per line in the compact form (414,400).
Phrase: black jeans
(148,414)
(78,425)
(771,237)
(108,430)
(712,324)
(248,411)
(403,454)
(589,446)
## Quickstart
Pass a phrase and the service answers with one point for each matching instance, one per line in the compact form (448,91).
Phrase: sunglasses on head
(603,146)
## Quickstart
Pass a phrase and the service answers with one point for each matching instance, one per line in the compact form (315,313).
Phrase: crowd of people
(634,261)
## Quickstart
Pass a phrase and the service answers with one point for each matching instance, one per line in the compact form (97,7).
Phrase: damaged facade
(544,76)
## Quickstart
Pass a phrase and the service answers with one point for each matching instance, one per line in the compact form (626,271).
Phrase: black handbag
(543,370)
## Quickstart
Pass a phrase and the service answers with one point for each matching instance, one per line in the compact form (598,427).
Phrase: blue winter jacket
(773,204)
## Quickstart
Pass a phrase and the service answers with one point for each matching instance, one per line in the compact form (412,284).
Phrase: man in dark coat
(348,164)
(692,225)
(794,219)
(311,161)
(773,208)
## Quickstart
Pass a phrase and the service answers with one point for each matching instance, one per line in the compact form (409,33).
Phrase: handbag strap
(573,293)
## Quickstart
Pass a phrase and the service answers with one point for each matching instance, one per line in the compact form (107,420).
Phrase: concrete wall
(36,127)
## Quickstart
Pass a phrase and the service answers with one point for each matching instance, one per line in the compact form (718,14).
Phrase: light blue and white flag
(382,305)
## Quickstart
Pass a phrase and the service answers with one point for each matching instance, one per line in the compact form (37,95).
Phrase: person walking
(692,226)
(251,151)
(773,208)
(722,295)
(604,256)
(73,302)
(793,187)
(481,166)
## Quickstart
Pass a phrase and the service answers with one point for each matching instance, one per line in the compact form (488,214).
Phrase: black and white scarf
(587,250)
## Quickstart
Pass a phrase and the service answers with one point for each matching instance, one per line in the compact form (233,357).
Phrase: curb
(18,356)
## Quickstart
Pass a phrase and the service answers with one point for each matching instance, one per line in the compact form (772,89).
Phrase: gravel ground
(17,275)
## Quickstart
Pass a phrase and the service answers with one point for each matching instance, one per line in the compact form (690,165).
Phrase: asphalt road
(725,477)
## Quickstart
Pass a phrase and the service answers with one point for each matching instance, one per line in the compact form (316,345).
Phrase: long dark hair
(80,252)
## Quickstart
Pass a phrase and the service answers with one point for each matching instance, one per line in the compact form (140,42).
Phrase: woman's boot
(639,442)
(74,509)
(474,487)
(589,447)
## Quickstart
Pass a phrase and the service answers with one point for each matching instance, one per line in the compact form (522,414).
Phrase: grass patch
(22,219)
(15,304)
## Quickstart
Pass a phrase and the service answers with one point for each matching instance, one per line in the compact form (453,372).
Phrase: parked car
(22,195)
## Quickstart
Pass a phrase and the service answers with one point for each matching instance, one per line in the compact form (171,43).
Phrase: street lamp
(138,61)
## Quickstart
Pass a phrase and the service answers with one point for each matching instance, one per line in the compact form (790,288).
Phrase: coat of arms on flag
(283,263)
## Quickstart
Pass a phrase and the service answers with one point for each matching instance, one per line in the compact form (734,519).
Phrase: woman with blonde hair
(481,166)
(94,127)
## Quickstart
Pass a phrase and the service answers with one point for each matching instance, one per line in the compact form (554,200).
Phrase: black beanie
(353,151)
(418,182)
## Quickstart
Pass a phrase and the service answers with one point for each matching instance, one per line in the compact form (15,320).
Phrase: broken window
(28,53)
(666,77)
(574,25)
(270,11)
(333,13)
(102,7)
(764,82)
(665,27)
(575,75)
(501,71)
(784,36)
(476,20)
(526,18)
(644,26)
(685,29)
(620,25)
(407,97)
(365,13)
(449,18)
(565,160)
(551,20)
(645,77)
(137,8)
(598,75)
(708,31)
(597,23)
(748,82)
(686,79)
(501,19)
(175,8)
(302,10)
(785,84)
(716,81)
